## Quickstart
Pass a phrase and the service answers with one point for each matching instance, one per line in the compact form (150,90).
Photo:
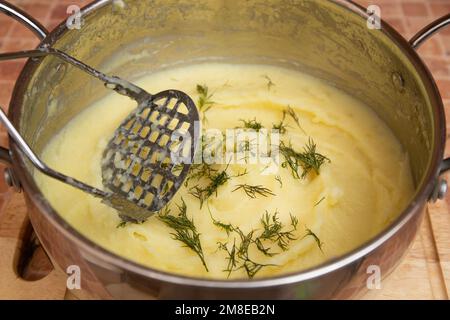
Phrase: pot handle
(419,39)
(38,29)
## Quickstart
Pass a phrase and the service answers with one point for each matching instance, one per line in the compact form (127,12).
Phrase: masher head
(150,154)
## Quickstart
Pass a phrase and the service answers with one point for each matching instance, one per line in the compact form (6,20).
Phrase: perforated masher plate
(151,152)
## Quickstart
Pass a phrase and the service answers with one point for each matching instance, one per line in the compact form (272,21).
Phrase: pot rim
(421,196)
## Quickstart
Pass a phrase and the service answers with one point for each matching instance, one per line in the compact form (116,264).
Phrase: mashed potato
(363,187)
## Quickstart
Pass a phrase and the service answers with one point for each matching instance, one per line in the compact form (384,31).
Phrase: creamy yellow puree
(363,188)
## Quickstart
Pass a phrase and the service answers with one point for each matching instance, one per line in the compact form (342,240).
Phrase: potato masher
(149,155)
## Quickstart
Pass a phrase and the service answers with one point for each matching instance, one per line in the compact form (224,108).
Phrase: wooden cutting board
(423,274)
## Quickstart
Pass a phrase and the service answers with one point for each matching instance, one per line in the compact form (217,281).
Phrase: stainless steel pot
(328,39)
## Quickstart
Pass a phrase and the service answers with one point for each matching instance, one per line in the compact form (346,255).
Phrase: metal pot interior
(323,38)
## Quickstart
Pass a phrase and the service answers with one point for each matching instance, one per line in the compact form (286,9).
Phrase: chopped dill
(252,268)
(309,233)
(281,127)
(291,112)
(252,124)
(265,250)
(231,257)
(216,180)
(253,191)
(122,224)
(318,202)
(199,171)
(246,241)
(204,193)
(273,230)
(228,228)
(247,147)
(308,160)
(204,102)
(238,254)
(278,178)
(184,230)
(270,83)
(294,221)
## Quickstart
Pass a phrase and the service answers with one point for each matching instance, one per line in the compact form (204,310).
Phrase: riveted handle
(420,38)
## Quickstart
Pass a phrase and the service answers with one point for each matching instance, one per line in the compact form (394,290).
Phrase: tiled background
(407,16)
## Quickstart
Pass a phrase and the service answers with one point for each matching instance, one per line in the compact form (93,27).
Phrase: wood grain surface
(423,274)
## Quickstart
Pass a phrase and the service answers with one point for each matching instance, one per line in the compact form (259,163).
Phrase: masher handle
(41,166)
(117,84)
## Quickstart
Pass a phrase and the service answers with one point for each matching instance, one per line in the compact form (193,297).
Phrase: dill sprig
(280,126)
(291,112)
(231,257)
(252,268)
(246,241)
(184,230)
(204,102)
(247,147)
(216,180)
(273,230)
(252,124)
(318,202)
(265,250)
(199,171)
(278,178)
(238,254)
(270,83)
(308,160)
(253,191)
(122,224)
(227,227)
(309,233)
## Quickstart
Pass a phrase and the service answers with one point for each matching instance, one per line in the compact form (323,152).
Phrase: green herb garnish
(252,124)
(184,230)
(309,233)
(216,180)
(204,102)
(278,178)
(199,171)
(231,257)
(273,230)
(228,228)
(252,268)
(238,255)
(270,83)
(253,191)
(291,112)
(308,160)
(318,202)
(281,127)
(122,224)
